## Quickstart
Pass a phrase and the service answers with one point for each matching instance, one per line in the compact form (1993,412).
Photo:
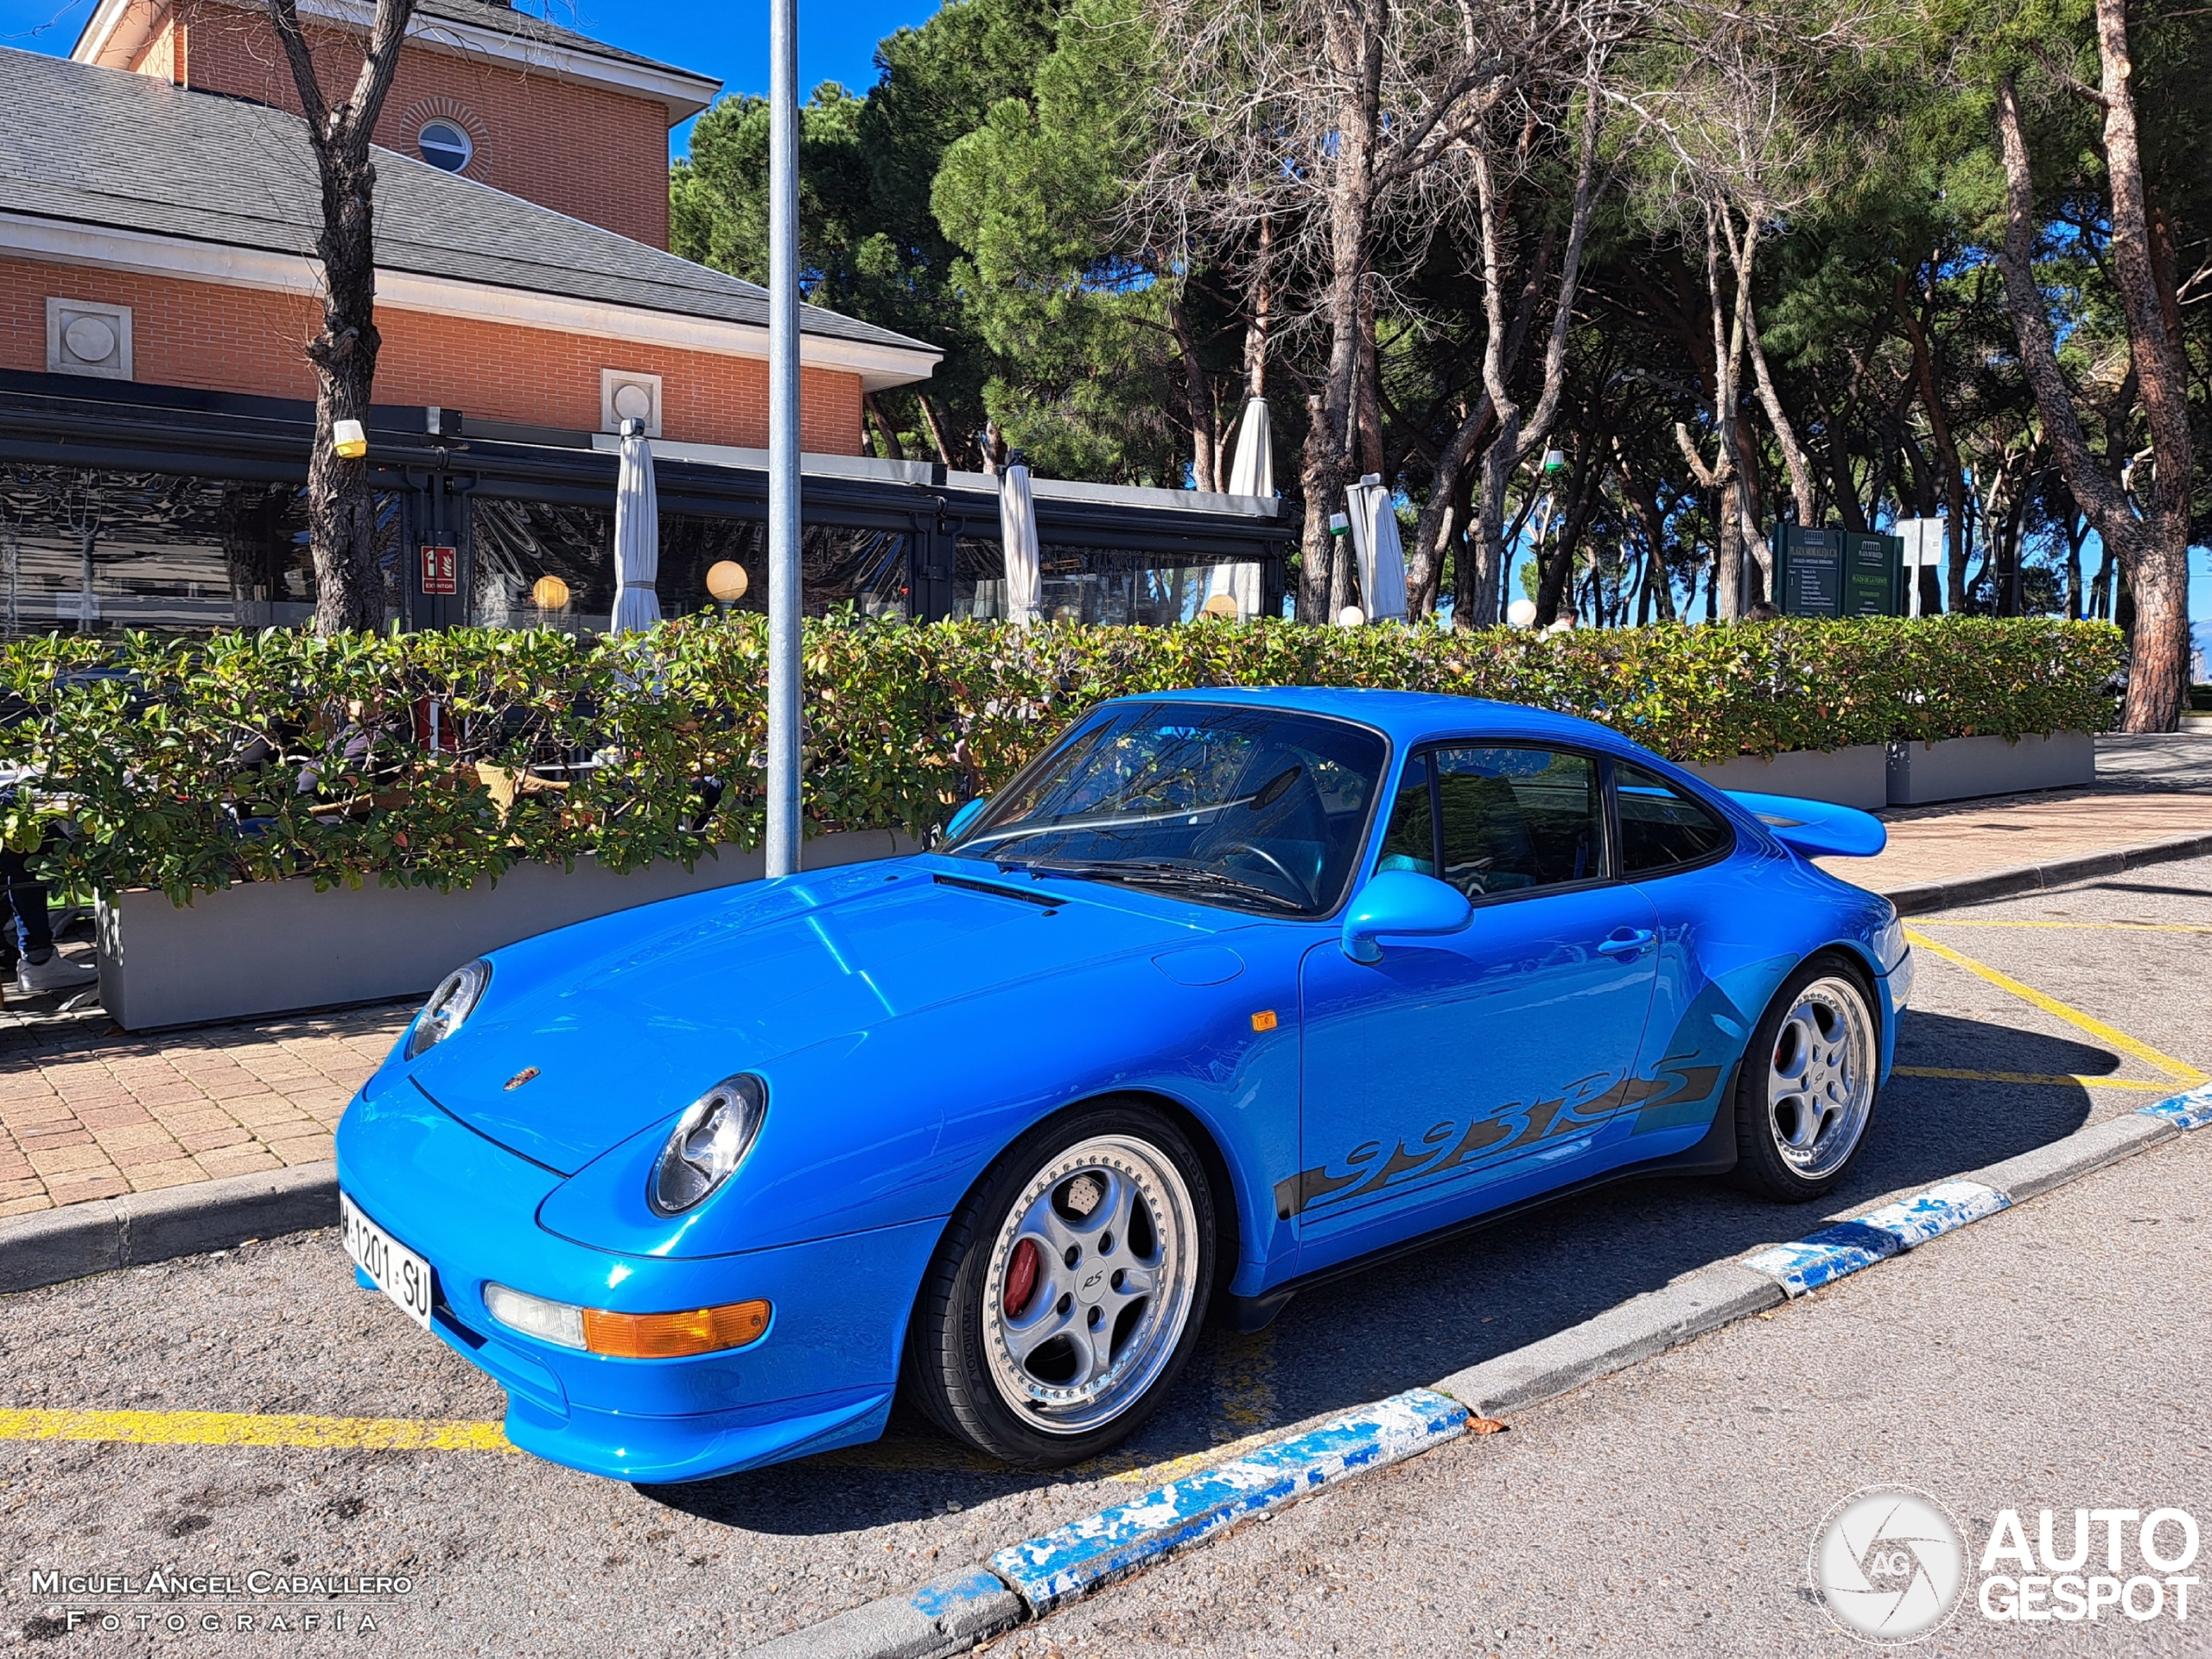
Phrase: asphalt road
(2049,1357)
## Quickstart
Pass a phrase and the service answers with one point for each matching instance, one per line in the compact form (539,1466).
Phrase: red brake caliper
(1020,1278)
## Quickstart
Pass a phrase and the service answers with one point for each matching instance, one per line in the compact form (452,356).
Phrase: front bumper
(822,1376)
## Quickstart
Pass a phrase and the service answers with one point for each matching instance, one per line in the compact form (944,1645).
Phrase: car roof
(1407,717)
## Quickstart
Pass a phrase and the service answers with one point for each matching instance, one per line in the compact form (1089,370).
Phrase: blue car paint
(913,1018)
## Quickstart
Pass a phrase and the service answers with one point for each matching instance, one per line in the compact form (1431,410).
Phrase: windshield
(1252,809)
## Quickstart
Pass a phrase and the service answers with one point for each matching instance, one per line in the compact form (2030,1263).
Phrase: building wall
(240,340)
(158,57)
(593,154)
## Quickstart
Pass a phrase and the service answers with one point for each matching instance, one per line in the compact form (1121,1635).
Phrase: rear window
(1662,829)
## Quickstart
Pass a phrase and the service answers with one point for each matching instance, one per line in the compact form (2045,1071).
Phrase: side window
(1409,843)
(1514,819)
(1662,829)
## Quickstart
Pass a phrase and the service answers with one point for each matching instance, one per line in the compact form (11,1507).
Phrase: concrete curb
(947,1617)
(48,1246)
(1062,1566)
(1923,896)
(1659,1319)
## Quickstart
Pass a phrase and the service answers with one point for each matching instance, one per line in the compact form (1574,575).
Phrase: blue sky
(729,39)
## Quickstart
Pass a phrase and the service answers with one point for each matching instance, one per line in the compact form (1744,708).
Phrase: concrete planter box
(1959,768)
(1855,777)
(276,947)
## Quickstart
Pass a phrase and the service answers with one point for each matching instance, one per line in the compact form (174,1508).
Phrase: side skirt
(1714,1154)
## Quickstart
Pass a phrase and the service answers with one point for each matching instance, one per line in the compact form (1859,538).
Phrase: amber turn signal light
(674,1336)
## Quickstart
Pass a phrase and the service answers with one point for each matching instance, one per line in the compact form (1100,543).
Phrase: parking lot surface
(1640,1512)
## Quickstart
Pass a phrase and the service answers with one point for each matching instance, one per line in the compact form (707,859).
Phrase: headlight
(709,1140)
(449,1006)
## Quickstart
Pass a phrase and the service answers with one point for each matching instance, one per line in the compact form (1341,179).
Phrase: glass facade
(519,543)
(1115,587)
(94,550)
(102,550)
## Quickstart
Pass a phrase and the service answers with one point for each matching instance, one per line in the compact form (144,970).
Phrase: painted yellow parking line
(2113,927)
(249,1429)
(1244,1409)
(2076,1081)
(2179,1070)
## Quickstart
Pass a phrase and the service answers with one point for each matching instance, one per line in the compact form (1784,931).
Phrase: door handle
(1630,946)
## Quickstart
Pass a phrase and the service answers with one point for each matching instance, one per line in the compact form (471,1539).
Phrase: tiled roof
(104,147)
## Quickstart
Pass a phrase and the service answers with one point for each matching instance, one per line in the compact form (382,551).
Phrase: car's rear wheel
(1068,1289)
(1805,1091)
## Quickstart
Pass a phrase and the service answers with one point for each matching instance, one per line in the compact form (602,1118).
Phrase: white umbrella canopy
(1253,470)
(1381,555)
(637,535)
(1018,529)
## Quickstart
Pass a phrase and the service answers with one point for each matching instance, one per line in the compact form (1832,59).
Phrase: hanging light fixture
(550,593)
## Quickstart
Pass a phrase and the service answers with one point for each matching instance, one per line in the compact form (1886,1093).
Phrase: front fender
(894,1124)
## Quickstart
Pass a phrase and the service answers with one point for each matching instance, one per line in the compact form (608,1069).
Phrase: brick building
(157,283)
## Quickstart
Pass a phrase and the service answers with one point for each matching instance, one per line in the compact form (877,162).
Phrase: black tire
(1772,1109)
(955,1337)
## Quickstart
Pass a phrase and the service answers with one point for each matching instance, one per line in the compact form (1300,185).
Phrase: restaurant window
(1105,585)
(520,543)
(96,551)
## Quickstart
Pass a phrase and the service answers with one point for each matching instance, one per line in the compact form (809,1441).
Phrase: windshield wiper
(1140,872)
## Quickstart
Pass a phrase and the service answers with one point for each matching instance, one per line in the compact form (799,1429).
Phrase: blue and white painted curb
(1054,1568)
(1057,1567)
(2190,1111)
(1848,1246)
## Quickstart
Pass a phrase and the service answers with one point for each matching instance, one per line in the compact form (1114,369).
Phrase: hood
(638,1031)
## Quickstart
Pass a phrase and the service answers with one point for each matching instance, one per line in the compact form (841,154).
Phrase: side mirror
(1406,902)
(956,826)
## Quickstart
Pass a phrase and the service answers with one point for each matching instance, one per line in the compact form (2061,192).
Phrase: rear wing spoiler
(1817,829)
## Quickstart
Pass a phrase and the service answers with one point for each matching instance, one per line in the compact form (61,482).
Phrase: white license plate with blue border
(392,1266)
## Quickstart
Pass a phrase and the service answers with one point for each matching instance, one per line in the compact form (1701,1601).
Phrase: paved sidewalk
(97,1112)
(2148,789)
(90,1112)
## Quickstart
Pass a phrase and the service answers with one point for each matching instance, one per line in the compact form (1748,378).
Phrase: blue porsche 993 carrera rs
(1226,993)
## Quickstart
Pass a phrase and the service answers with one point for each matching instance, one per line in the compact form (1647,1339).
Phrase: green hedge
(187,765)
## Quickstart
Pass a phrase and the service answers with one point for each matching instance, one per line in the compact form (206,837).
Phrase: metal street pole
(784,607)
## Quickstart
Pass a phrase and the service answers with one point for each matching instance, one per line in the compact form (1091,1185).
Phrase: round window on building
(445,145)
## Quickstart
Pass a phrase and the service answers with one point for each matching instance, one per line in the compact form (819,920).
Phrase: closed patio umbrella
(1018,529)
(1381,554)
(637,535)
(1253,470)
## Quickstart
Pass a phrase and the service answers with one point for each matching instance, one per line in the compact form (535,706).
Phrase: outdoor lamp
(727,582)
(349,439)
(1521,613)
(1222,605)
(550,593)
(1554,461)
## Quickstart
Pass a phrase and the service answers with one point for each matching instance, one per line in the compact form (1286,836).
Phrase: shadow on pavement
(1407,1323)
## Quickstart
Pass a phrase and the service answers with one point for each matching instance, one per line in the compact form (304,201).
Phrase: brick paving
(87,1111)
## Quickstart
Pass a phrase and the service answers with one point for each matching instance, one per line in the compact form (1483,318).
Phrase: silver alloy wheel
(1099,1252)
(1821,1077)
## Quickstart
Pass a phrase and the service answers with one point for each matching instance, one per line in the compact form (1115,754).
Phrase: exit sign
(441,570)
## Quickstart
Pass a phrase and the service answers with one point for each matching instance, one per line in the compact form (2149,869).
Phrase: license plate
(395,1269)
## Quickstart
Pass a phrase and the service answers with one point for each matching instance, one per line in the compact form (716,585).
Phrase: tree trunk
(1204,474)
(887,433)
(1256,331)
(341,507)
(2153,549)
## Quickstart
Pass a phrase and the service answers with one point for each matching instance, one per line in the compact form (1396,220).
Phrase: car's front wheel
(1068,1289)
(1806,1091)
